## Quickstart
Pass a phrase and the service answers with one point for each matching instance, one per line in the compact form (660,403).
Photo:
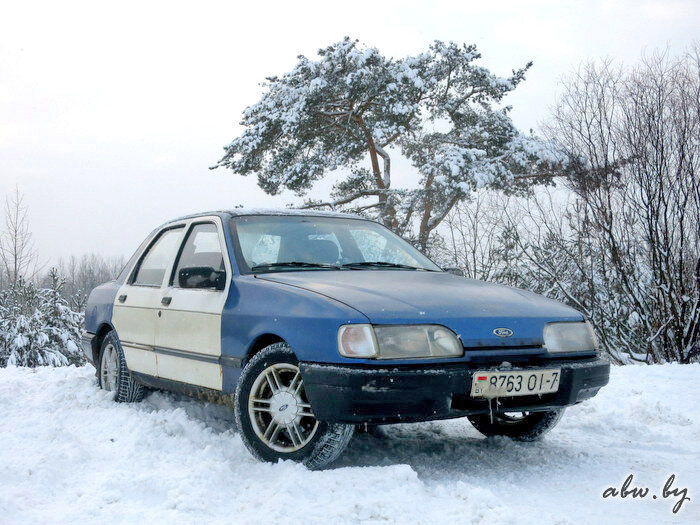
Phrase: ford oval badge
(503,332)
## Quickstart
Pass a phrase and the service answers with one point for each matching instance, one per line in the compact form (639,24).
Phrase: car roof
(240,212)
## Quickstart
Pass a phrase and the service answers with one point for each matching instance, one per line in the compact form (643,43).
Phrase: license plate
(491,384)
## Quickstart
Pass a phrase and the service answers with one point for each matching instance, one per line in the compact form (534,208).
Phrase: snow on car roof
(290,211)
(238,212)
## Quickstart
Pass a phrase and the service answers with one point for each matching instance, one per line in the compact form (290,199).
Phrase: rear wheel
(275,418)
(523,426)
(113,373)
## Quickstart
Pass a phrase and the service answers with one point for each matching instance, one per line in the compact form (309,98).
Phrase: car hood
(472,309)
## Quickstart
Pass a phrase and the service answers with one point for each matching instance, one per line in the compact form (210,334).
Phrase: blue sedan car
(314,323)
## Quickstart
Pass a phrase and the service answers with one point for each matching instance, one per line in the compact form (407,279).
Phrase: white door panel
(141,359)
(188,331)
(191,371)
(135,311)
(134,320)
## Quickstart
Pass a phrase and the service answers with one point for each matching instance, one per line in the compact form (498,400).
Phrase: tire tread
(528,430)
(128,389)
(332,442)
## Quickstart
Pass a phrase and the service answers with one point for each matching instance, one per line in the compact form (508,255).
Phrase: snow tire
(530,427)
(329,439)
(126,388)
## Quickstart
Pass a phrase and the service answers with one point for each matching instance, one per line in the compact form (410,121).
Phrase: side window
(201,262)
(158,258)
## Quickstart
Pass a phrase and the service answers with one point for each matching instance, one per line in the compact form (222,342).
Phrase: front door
(134,313)
(188,327)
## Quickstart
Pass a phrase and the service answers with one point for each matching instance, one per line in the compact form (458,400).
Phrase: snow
(295,212)
(69,454)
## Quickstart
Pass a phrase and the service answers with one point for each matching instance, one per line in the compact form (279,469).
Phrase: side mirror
(454,271)
(201,277)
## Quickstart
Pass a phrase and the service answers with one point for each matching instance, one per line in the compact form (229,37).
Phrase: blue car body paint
(306,308)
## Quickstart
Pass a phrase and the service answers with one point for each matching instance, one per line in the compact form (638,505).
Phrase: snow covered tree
(637,132)
(63,325)
(37,327)
(439,109)
(623,247)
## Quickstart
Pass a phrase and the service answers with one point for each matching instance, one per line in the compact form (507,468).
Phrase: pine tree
(439,109)
(37,327)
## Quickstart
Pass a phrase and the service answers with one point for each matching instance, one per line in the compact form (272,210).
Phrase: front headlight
(569,337)
(357,340)
(398,342)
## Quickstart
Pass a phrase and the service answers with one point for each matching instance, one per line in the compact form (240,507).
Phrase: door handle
(165,301)
(122,298)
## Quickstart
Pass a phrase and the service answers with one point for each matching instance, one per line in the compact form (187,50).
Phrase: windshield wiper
(294,264)
(324,266)
(382,264)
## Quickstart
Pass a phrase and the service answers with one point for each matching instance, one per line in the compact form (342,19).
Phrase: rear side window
(158,258)
(201,263)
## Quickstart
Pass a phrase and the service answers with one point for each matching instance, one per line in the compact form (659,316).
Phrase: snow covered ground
(69,454)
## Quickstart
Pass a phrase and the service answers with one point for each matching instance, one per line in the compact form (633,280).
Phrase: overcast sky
(111,113)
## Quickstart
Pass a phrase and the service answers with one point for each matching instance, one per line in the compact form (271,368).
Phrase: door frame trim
(224,360)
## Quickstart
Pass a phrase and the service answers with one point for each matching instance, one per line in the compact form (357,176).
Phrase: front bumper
(353,394)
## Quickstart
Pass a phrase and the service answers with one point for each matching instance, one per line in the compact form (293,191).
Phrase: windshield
(298,243)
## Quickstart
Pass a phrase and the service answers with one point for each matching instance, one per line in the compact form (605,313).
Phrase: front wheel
(522,426)
(275,418)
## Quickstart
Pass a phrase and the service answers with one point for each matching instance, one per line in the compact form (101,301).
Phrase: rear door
(135,307)
(188,328)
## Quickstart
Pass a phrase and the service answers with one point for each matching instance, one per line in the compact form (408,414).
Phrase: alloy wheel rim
(279,410)
(110,368)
